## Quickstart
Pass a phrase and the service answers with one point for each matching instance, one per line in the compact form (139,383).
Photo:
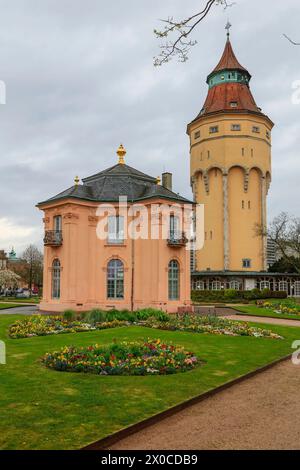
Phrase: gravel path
(262,412)
(22,310)
(267,320)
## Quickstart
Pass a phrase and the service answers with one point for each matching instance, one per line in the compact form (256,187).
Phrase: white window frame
(116,233)
(296,290)
(216,286)
(264,285)
(283,286)
(235,285)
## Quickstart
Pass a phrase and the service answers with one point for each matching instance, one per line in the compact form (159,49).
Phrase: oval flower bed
(144,358)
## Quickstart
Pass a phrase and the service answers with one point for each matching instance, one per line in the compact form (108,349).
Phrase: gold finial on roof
(121,152)
(158,180)
(76,180)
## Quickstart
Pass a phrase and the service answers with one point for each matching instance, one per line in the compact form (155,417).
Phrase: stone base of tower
(241,280)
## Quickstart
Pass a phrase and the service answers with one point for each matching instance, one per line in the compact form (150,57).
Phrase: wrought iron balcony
(53,238)
(177,239)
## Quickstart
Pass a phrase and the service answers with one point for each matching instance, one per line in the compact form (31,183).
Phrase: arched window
(56,269)
(264,285)
(235,285)
(115,279)
(200,285)
(174,281)
(216,285)
(283,286)
(297,289)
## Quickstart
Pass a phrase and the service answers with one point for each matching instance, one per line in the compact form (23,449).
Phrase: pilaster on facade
(225,220)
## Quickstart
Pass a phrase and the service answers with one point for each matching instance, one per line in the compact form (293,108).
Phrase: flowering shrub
(148,358)
(212,325)
(288,308)
(39,325)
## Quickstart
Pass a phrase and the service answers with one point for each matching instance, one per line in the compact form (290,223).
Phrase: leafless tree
(284,233)
(34,265)
(182,30)
(177,33)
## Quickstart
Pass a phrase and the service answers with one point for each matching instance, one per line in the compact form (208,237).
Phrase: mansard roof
(118,180)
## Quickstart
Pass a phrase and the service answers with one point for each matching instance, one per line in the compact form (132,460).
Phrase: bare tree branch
(284,232)
(289,39)
(180,47)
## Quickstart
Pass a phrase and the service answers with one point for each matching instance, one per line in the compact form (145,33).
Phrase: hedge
(230,295)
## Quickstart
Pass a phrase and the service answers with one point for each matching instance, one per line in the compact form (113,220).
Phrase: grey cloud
(80,80)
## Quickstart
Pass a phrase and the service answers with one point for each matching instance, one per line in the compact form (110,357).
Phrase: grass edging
(283,317)
(8,306)
(104,443)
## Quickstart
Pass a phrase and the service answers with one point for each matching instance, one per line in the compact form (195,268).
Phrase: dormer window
(233,104)
(256,129)
(213,129)
(197,135)
(235,127)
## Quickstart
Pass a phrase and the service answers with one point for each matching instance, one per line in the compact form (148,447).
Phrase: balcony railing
(177,239)
(53,238)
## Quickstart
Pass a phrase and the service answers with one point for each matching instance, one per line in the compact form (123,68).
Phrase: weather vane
(227,27)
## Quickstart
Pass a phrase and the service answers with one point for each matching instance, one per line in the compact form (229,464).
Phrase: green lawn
(264,312)
(4,306)
(32,300)
(45,409)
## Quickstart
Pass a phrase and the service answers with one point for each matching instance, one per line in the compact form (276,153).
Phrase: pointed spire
(228,60)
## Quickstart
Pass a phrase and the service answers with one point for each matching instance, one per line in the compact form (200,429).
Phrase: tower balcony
(177,240)
(53,238)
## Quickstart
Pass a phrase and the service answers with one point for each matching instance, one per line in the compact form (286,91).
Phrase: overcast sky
(80,80)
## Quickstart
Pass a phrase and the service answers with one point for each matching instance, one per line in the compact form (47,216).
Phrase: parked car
(23,294)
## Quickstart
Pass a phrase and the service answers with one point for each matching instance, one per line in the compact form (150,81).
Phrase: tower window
(252,152)
(211,235)
(243,204)
(213,129)
(246,263)
(256,129)
(235,127)
(208,154)
(233,104)
(201,156)
(249,204)
(197,135)
(243,151)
